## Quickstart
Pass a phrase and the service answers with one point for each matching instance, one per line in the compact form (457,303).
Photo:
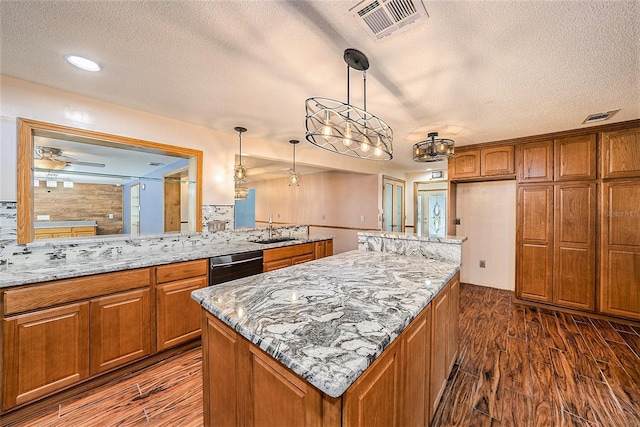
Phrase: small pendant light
(239,171)
(294,179)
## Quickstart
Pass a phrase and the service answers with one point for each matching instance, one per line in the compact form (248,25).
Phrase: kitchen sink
(275,240)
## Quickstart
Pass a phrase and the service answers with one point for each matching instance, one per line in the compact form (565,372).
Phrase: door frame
(394,181)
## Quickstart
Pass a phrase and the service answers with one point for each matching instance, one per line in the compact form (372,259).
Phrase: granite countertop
(413,236)
(79,265)
(328,319)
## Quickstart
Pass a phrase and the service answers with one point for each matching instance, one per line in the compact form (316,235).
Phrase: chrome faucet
(270,225)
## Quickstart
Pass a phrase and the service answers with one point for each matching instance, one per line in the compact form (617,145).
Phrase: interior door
(393,194)
(171,204)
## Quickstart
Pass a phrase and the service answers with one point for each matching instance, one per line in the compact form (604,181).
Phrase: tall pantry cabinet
(560,217)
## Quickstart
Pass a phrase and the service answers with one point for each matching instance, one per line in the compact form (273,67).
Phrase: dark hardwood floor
(517,366)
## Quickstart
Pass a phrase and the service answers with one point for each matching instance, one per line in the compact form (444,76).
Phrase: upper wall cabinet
(465,164)
(497,161)
(575,158)
(620,154)
(487,162)
(535,162)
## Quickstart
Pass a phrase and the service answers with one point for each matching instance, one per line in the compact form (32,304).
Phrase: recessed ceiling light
(84,63)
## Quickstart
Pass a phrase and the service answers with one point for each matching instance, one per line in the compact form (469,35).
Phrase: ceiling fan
(53,158)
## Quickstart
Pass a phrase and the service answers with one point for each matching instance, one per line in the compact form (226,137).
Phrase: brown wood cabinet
(575,245)
(493,162)
(497,161)
(575,158)
(620,153)
(178,316)
(535,161)
(119,329)
(534,243)
(417,362)
(245,386)
(323,248)
(375,398)
(620,243)
(44,351)
(465,164)
(54,233)
(287,256)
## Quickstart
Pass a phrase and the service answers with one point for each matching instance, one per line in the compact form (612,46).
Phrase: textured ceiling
(474,71)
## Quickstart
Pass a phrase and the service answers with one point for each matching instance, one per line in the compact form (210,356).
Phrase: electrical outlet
(483,263)
(361,218)
(43,217)
(110,216)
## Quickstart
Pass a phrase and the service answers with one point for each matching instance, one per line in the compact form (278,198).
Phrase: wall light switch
(110,216)
(361,218)
(483,263)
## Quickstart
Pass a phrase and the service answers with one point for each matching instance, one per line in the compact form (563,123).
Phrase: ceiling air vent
(598,117)
(383,17)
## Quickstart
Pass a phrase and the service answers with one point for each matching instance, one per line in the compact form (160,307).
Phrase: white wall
(28,100)
(487,212)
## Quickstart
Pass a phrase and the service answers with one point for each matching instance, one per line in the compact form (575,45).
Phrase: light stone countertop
(328,319)
(110,261)
(413,236)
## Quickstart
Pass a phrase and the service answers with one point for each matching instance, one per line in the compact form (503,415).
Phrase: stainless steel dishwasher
(230,267)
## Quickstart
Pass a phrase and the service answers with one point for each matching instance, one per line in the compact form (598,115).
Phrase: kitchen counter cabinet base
(243,385)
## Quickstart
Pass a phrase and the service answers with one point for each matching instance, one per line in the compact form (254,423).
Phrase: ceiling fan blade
(95,165)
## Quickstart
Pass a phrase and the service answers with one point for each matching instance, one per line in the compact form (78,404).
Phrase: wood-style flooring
(517,366)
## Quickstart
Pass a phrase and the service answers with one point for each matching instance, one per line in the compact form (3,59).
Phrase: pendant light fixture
(346,129)
(433,148)
(239,171)
(294,179)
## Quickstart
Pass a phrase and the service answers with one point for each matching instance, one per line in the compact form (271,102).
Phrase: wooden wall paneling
(535,161)
(575,245)
(98,201)
(575,158)
(534,243)
(119,329)
(497,161)
(44,351)
(620,249)
(620,153)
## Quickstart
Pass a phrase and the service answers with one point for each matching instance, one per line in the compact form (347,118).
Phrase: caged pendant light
(433,148)
(239,171)
(294,179)
(346,129)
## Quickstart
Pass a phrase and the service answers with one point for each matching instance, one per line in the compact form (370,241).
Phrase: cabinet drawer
(69,290)
(288,252)
(183,270)
(277,264)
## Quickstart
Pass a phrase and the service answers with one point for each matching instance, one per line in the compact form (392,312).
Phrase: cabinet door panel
(178,314)
(497,161)
(320,250)
(454,311)
(221,356)
(465,164)
(575,158)
(620,246)
(574,265)
(535,272)
(417,362)
(373,399)
(119,329)
(620,154)
(439,340)
(535,161)
(280,397)
(536,213)
(44,351)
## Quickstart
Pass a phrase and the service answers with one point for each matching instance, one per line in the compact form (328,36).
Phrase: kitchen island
(360,338)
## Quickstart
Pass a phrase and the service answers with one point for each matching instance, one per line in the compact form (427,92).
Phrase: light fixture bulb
(326,130)
(377,152)
(364,147)
(83,63)
(294,180)
(347,136)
